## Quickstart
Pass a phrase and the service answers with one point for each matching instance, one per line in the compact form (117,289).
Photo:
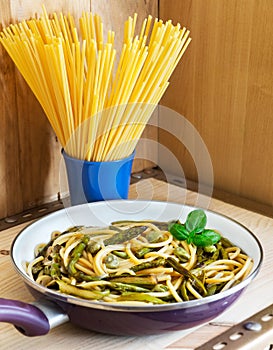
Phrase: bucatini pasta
(97,112)
(136,262)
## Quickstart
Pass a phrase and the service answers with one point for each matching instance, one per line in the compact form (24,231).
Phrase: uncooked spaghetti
(97,112)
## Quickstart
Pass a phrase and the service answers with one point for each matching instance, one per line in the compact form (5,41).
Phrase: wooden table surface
(257,296)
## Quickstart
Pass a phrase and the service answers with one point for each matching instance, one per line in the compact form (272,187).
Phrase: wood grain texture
(224,87)
(9,141)
(75,338)
(29,151)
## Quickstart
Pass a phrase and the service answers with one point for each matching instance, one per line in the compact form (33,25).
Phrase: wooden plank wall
(29,151)
(224,87)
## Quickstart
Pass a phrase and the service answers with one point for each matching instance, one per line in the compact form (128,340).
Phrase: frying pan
(52,308)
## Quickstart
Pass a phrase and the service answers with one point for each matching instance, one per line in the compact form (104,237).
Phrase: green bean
(55,271)
(182,254)
(141,252)
(80,276)
(123,287)
(82,293)
(77,253)
(160,288)
(183,271)
(125,235)
(148,265)
(184,292)
(140,297)
(178,267)
(199,273)
(120,254)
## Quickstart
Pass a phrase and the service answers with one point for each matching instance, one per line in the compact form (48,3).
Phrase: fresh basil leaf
(178,231)
(191,236)
(196,221)
(206,238)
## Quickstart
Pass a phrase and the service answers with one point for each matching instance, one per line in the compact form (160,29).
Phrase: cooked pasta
(97,112)
(136,262)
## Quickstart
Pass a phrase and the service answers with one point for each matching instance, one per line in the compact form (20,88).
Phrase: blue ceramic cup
(97,181)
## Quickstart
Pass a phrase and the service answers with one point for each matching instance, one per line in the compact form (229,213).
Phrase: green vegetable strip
(77,253)
(125,235)
(184,291)
(145,281)
(82,293)
(210,247)
(140,297)
(55,271)
(148,265)
(123,287)
(179,268)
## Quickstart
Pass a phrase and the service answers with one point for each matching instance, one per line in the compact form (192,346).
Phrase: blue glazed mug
(97,181)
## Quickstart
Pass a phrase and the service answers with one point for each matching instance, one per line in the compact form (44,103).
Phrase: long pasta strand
(97,113)
(95,272)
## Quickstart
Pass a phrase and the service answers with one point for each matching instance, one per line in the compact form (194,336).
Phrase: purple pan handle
(31,319)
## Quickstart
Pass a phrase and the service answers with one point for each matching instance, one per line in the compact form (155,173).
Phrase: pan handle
(32,319)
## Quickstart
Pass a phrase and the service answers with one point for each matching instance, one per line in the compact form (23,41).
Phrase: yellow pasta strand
(98,113)
(131,271)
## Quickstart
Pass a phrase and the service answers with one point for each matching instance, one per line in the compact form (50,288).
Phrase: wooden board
(68,335)
(29,151)
(224,87)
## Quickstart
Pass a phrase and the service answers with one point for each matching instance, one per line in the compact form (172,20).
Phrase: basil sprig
(193,230)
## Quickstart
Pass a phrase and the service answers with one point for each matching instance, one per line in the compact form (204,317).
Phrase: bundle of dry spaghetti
(97,110)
